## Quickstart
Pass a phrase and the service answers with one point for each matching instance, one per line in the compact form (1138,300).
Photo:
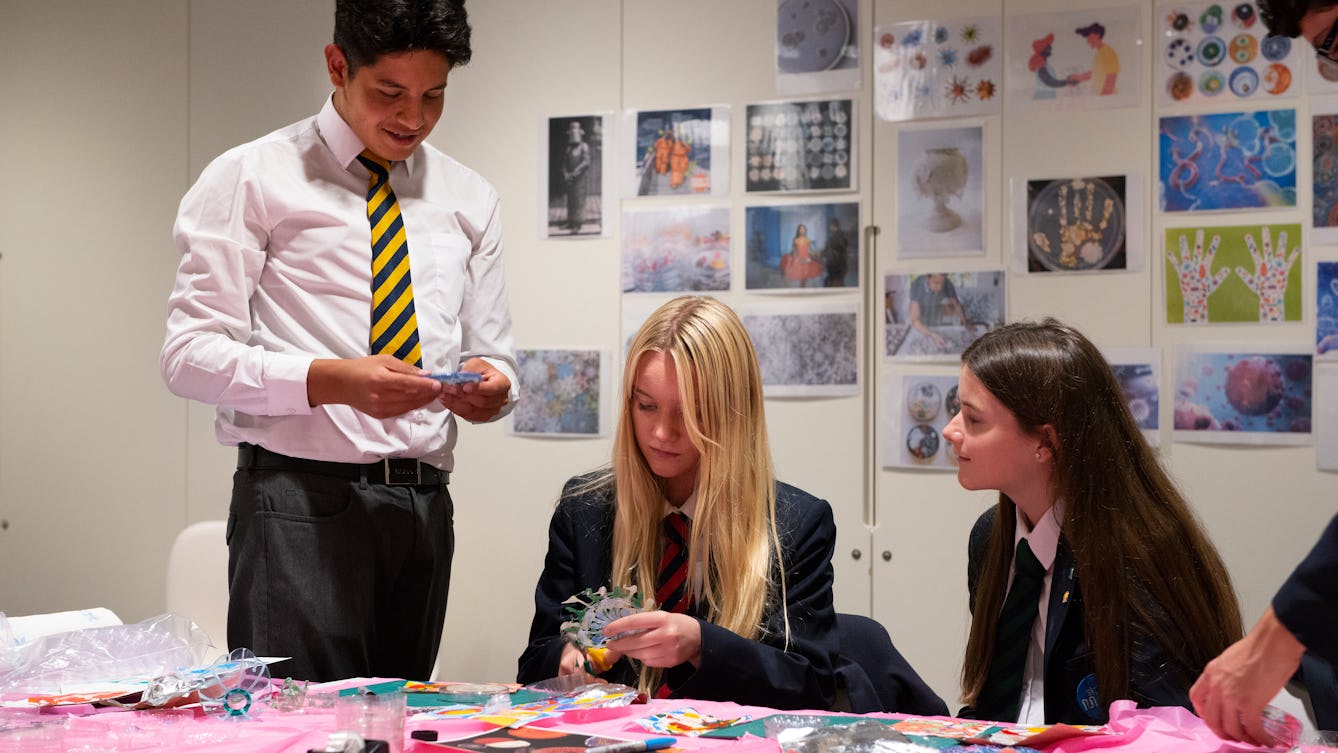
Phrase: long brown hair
(1139,551)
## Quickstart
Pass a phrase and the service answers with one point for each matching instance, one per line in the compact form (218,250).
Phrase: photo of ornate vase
(939,175)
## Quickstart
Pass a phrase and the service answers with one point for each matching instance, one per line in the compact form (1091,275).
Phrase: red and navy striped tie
(672,586)
(672,589)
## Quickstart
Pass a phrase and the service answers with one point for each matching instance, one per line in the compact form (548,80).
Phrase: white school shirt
(276,272)
(1044,543)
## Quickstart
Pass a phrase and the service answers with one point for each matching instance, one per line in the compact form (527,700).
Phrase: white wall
(110,112)
(92,472)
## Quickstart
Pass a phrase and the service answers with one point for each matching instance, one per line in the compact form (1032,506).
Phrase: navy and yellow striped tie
(394,323)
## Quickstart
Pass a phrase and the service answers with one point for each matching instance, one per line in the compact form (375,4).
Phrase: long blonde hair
(734,530)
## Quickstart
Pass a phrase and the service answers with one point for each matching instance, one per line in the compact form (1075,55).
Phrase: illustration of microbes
(1180,53)
(1253,385)
(1275,48)
(919,61)
(1211,18)
(887,40)
(1211,51)
(922,441)
(1211,83)
(1178,20)
(941,34)
(985,90)
(1279,160)
(958,90)
(912,37)
(1243,15)
(1194,417)
(923,401)
(1243,48)
(970,33)
(1180,86)
(978,56)
(947,58)
(1186,171)
(1297,369)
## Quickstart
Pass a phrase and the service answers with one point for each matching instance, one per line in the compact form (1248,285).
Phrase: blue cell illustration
(1211,51)
(1275,48)
(1283,123)
(1244,81)
(1212,83)
(1279,160)
(1244,132)
(947,58)
(912,37)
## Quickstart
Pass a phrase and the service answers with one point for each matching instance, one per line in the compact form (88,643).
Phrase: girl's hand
(659,639)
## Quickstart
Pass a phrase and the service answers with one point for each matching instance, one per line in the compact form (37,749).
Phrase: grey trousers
(346,576)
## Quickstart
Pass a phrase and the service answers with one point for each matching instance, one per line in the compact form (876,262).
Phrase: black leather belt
(390,471)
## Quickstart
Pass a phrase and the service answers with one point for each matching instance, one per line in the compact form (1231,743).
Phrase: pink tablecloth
(1131,730)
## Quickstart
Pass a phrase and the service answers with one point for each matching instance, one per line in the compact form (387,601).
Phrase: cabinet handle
(855,554)
(887,555)
(870,320)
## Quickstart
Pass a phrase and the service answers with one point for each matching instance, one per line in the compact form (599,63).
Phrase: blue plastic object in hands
(456,377)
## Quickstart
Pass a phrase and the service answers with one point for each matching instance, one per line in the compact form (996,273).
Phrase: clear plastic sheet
(798,733)
(56,663)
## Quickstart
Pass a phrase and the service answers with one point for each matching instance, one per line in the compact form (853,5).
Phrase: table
(1132,730)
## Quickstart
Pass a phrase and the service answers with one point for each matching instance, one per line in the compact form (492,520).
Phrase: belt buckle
(398,474)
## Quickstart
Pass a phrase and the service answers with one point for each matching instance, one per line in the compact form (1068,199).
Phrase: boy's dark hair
(1283,17)
(365,30)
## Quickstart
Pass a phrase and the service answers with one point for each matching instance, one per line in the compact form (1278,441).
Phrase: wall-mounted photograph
(917,407)
(1324,171)
(1217,52)
(1138,371)
(805,348)
(800,146)
(1076,59)
(1228,160)
(676,249)
(1244,395)
(796,247)
(1326,310)
(564,393)
(1078,224)
(940,192)
(678,152)
(938,69)
(935,315)
(1237,273)
(817,46)
(578,176)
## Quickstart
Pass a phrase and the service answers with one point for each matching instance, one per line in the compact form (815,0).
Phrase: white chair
(197,579)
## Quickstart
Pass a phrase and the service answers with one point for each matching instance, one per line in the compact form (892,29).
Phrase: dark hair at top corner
(366,30)
(1092,28)
(1282,18)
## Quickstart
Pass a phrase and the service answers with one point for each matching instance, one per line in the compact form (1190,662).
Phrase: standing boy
(327,268)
